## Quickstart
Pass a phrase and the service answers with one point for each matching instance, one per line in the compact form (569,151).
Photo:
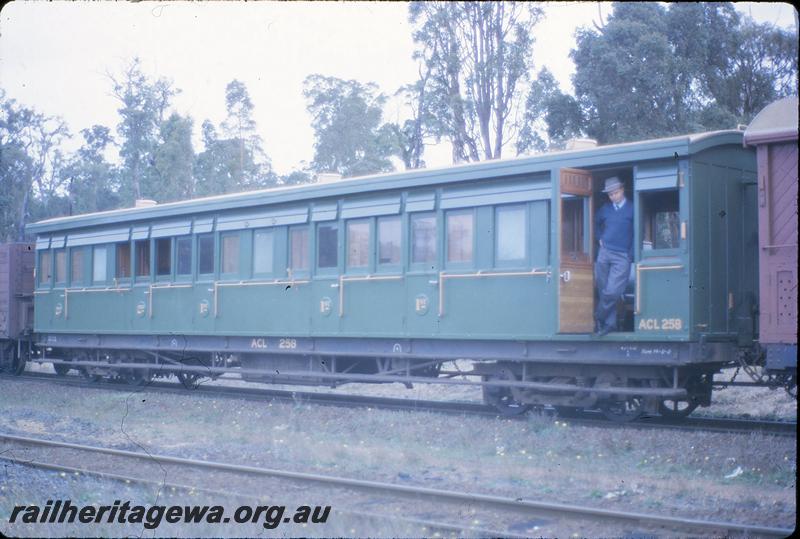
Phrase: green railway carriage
(384,276)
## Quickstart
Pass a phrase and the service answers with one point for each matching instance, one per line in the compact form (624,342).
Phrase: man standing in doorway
(614,229)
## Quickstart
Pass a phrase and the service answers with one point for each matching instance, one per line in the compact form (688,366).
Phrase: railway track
(594,419)
(524,508)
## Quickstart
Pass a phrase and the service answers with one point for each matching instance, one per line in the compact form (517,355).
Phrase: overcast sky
(54,56)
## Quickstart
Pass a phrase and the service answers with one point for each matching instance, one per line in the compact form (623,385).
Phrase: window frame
(72,252)
(425,265)
(208,276)
(272,235)
(156,259)
(142,278)
(123,278)
(60,281)
(237,272)
(290,269)
(105,248)
(459,264)
(389,266)
(192,251)
(526,257)
(40,283)
(327,270)
(368,267)
(646,216)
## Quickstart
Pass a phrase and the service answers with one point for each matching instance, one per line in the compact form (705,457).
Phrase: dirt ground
(747,478)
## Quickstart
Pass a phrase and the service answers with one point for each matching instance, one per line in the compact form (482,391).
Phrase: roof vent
(580,144)
(328,177)
(144,203)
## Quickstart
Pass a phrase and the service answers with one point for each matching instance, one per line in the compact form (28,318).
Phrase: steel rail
(585,418)
(517,504)
(426,525)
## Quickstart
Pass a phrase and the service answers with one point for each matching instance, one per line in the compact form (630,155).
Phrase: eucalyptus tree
(655,70)
(479,55)
(143,105)
(349,136)
(173,160)
(239,127)
(92,182)
(30,165)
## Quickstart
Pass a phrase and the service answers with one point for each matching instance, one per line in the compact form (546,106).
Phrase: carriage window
(61,266)
(123,260)
(262,251)
(45,270)
(388,240)
(423,238)
(573,228)
(298,249)
(205,254)
(142,258)
(327,246)
(184,249)
(511,227)
(459,236)
(77,266)
(358,244)
(164,256)
(230,253)
(660,220)
(99,260)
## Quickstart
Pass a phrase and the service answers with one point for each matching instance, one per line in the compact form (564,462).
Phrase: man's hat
(612,184)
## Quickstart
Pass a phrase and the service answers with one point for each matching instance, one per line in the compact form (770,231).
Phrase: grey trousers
(611,273)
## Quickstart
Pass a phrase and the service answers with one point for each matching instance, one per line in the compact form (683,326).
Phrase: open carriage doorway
(581,196)
(575,271)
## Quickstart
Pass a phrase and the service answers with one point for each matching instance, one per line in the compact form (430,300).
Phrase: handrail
(161,287)
(779,246)
(481,274)
(345,278)
(85,290)
(218,285)
(639,269)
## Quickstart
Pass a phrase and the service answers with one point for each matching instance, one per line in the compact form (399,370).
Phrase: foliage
(346,117)
(548,110)
(29,163)
(478,54)
(92,181)
(173,160)
(143,104)
(654,71)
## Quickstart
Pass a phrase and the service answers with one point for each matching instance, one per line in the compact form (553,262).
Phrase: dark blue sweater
(615,227)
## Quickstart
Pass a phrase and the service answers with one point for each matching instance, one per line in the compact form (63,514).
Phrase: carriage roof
(630,153)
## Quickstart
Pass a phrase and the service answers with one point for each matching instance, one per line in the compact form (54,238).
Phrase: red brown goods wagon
(774,132)
(16,290)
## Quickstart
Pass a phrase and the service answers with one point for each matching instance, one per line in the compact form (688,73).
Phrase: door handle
(565,276)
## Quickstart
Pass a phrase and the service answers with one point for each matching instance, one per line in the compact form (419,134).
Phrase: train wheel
(61,368)
(137,377)
(89,375)
(673,409)
(189,380)
(619,409)
(7,353)
(10,360)
(501,398)
(622,411)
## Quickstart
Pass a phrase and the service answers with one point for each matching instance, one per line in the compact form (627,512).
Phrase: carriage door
(576,275)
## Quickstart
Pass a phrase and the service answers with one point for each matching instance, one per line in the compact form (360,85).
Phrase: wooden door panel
(576,271)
